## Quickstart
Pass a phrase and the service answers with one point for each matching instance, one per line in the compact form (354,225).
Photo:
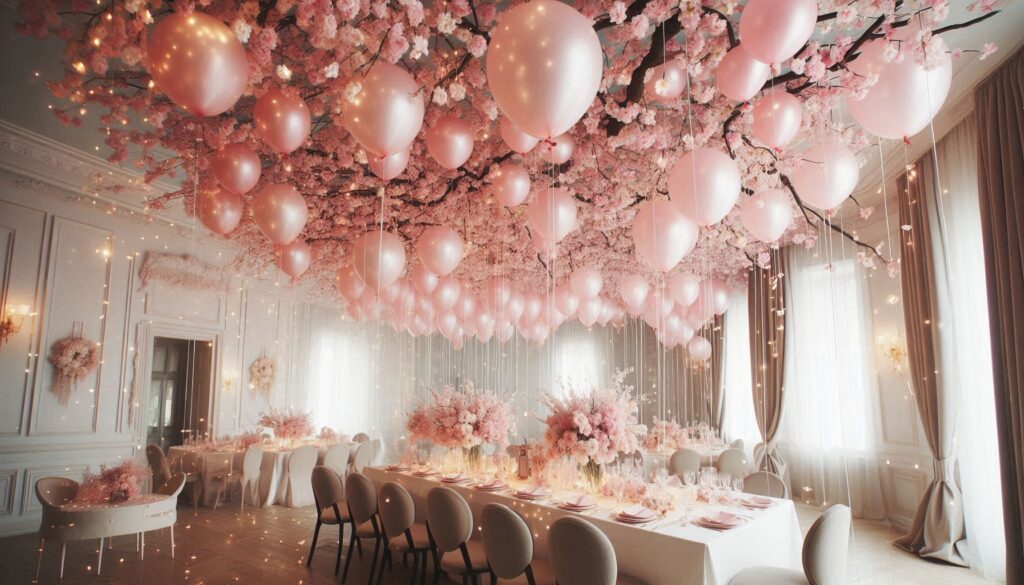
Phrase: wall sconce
(14,318)
(893,351)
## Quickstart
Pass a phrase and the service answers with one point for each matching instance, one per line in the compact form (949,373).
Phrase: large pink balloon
(685,288)
(515,306)
(777,116)
(280,212)
(390,166)
(515,138)
(219,210)
(544,66)
(826,175)
(716,293)
(499,291)
(534,305)
(739,76)
(699,349)
(767,215)
(282,120)
(704,185)
(586,282)
(633,289)
(511,184)
(774,30)
(423,279)
(379,258)
(566,301)
(907,95)
(294,258)
(446,294)
(237,167)
(666,82)
(559,149)
(450,141)
(350,285)
(590,311)
(661,235)
(440,249)
(387,113)
(198,62)
(466,307)
(552,213)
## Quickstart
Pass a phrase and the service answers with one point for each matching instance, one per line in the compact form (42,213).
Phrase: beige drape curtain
(717,392)
(938,529)
(767,311)
(999,105)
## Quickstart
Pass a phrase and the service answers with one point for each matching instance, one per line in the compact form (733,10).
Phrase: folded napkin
(722,520)
(579,501)
(636,512)
(454,477)
(535,491)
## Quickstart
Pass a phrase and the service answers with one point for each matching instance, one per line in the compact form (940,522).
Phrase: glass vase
(471,458)
(592,474)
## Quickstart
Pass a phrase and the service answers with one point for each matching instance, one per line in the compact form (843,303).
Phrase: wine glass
(690,478)
(737,483)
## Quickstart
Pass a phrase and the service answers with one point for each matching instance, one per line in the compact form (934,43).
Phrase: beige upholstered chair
(737,444)
(173,486)
(54,492)
(684,461)
(581,554)
(298,492)
(360,438)
(189,466)
(336,458)
(364,454)
(361,497)
(765,483)
(248,479)
(158,466)
(451,525)
(509,546)
(331,508)
(401,533)
(732,462)
(824,555)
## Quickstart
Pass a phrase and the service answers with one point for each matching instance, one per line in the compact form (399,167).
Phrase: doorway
(179,396)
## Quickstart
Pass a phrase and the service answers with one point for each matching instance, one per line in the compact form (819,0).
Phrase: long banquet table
(670,551)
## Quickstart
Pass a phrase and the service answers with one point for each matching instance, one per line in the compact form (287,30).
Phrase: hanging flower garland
(261,376)
(73,358)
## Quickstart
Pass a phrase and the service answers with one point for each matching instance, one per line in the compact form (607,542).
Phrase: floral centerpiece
(112,484)
(287,425)
(246,440)
(73,358)
(664,434)
(464,417)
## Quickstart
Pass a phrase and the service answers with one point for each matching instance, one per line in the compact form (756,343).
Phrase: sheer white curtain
(828,423)
(965,343)
(738,419)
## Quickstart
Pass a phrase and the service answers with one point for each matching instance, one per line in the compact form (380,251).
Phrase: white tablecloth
(667,552)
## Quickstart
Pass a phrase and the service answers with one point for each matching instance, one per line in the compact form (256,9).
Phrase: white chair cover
(733,462)
(766,483)
(336,459)
(364,454)
(300,473)
(377,458)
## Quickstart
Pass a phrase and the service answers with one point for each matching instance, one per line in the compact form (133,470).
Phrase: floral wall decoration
(73,359)
(183,271)
(262,373)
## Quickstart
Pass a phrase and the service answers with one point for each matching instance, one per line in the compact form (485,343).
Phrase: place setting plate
(756,503)
(720,521)
(398,467)
(531,494)
(577,503)
(454,478)
(494,485)
(635,515)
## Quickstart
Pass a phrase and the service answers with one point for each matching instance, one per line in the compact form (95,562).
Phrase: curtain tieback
(945,468)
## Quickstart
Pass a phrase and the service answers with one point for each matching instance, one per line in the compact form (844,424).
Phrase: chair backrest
(327,487)
(362,497)
(507,541)
(158,465)
(252,461)
(377,451)
(364,453)
(580,553)
(53,492)
(683,461)
(449,518)
(732,462)
(336,458)
(826,546)
(173,486)
(396,508)
(360,438)
(737,444)
(302,460)
(766,483)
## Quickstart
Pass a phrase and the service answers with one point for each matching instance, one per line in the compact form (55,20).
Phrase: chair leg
(63,550)
(415,567)
(142,553)
(312,547)
(172,541)
(341,541)
(373,563)
(39,558)
(529,575)
(383,561)
(348,556)
(359,541)
(99,559)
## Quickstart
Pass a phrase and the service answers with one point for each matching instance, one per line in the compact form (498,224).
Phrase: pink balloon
(547,250)
(534,305)
(559,149)
(370,305)
(699,349)
(505,331)
(544,66)
(658,306)
(484,326)
(510,184)
(387,113)
(661,235)
(446,294)
(586,282)
(716,293)
(607,311)
(907,96)
(826,176)
(350,285)
(673,326)
(499,291)
(515,138)
(767,214)
(294,258)
(448,325)
(566,301)
(590,311)
(704,185)
(450,141)
(440,249)
(777,117)
(390,166)
(219,210)
(666,82)
(552,213)
(379,258)
(684,288)
(282,120)
(237,167)
(465,308)
(633,289)
(515,306)
(354,311)
(280,212)
(774,30)
(739,76)
(198,62)
(423,279)
(392,293)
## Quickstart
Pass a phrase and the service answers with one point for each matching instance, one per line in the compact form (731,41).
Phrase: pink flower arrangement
(663,434)
(595,426)
(287,425)
(246,440)
(112,484)
(465,417)
(73,358)
(625,485)
(328,434)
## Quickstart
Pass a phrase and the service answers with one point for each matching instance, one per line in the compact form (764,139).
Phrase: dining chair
(582,555)
(336,458)
(824,555)
(508,543)
(158,466)
(54,492)
(189,466)
(171,488)
(766,483)
(401,533)
(360,438)
(450,521)
(248,479)
(361,497)
(364,453)
(300,464)
(737,444)
(684,461)
(732,462)
(331,508)
(377,452)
